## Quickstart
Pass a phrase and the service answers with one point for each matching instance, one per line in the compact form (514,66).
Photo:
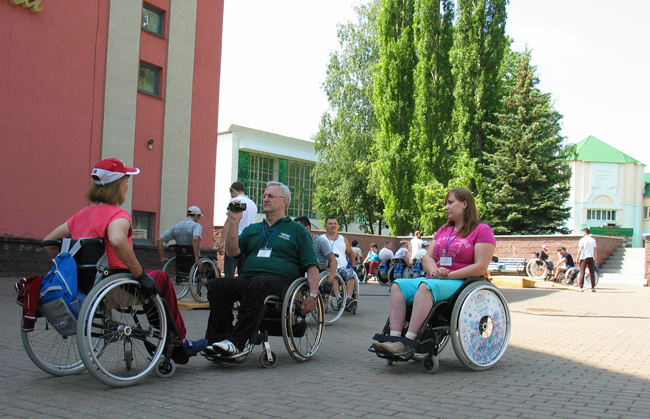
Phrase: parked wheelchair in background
(538,268)
(186,275)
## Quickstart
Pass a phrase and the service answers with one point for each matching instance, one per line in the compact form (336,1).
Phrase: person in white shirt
(402,252)
(237,194)
(423,251)
(416,242)
(386,253)
(587,256)
(343,252)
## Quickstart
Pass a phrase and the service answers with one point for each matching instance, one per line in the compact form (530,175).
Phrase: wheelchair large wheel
(587,283)
(200,279)
(51,352)
(332,308)
(302,334)
(382,274)
(571,275)
(180,281)
(537,269)
(122,336)
(480,326)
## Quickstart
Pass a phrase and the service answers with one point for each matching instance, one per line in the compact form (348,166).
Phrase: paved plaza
(571,355)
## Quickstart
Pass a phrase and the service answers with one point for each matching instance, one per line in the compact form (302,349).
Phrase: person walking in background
(237,194)
(416,242)
(587,256)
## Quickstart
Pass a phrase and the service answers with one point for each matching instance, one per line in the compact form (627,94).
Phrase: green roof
(592,149)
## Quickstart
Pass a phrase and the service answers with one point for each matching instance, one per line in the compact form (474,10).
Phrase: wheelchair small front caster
(165,372)
(389,362)
(266,363)
(430,364)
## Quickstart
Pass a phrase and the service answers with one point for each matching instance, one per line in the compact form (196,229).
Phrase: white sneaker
(225,348)
(392,347)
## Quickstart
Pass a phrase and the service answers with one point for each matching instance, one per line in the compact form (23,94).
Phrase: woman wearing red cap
(105,218)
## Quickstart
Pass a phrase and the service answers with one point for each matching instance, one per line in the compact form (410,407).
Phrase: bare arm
(596,256)
(350,253)
(232,239)
(58,233)
(196,245)
(333,266)
(309,304)
(483,253)
(161,250)
(118,231)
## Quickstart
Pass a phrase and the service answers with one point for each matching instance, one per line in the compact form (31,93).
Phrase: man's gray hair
(285,192)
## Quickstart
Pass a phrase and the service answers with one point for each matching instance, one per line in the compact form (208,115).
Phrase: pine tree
(527,175)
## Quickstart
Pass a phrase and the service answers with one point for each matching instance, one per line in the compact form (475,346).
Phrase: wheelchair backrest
(184,258)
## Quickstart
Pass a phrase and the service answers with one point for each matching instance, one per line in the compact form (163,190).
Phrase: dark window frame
(150,236)
(158,71)
(158,12)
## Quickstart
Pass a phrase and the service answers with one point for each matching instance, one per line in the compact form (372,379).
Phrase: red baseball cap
(110,170)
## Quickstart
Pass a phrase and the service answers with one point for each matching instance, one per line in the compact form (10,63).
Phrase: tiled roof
(592,149)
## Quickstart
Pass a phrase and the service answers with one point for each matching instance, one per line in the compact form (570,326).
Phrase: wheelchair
(187,277)
(333,309)
(121,336)
(571,277)
(537,268)
(382,273)
(396,269)
(281,316)
(475,318)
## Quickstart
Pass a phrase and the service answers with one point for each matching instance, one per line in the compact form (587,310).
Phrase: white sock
(411,335)
(396,333)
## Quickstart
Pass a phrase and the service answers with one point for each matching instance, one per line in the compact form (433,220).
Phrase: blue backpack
(60,299)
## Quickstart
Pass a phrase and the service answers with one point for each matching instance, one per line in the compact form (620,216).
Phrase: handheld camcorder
(237,206)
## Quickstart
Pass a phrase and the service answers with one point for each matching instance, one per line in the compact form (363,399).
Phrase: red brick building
(87,80)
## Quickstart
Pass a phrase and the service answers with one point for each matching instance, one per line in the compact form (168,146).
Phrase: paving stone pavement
(571,355)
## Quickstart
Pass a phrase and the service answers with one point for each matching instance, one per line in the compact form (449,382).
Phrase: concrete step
(622,279)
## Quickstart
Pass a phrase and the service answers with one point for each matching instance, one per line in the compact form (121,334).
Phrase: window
(143,226)
(149,81)
(152,19)
(256,170)
(601,215)
(646,213)
(302,188)
(260,170)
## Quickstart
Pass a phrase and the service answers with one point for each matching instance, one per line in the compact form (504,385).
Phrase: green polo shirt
(291,247)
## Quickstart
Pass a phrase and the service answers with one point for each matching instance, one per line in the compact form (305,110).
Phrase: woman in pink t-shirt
(104,218)
(461,248)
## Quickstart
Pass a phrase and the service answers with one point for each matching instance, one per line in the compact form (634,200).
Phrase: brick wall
(23,257)
(647,259)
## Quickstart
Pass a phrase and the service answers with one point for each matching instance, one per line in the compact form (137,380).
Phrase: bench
(516,265)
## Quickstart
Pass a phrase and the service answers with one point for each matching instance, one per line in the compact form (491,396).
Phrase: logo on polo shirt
(285,236)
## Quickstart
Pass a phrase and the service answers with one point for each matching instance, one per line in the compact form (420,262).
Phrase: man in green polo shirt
(278,250)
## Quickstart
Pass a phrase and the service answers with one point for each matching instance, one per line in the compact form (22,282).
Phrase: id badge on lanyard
(445,259)
(264,253)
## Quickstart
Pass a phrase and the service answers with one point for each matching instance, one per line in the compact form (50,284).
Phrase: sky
(593,56)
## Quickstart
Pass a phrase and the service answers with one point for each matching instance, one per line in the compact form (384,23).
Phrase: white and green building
(609,192)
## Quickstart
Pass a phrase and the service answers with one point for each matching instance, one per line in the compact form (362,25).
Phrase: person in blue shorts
(461,248)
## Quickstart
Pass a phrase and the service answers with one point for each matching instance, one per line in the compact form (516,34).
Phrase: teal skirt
(441,289)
